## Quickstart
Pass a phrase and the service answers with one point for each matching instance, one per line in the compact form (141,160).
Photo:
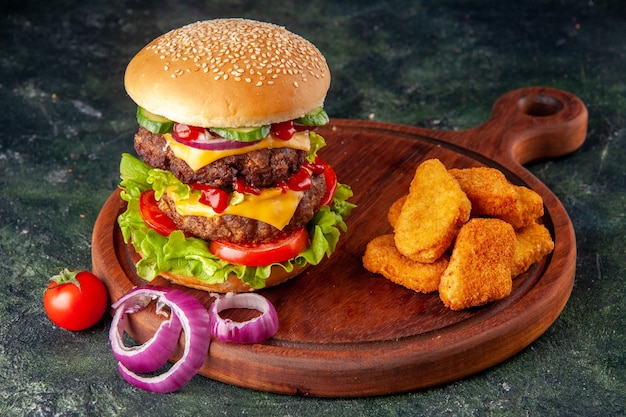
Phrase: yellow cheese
(198,158)
(272,206)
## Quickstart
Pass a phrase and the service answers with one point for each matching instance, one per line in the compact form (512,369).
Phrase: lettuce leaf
(317,143)
(190,256)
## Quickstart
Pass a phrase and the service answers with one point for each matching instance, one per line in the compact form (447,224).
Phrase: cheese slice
(198,158)
(272,206)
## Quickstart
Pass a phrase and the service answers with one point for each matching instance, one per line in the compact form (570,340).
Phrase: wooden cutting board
(347,332)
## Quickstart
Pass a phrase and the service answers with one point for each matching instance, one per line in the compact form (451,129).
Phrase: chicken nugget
(432,214)
(394,211)
(529,208)
(493,195)
(532,244)
(479,270)
(382,257)
(488,189)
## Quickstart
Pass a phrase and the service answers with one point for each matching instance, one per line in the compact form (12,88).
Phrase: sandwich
(226,192)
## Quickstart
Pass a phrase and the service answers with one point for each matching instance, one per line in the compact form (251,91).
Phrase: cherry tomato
(283,130)
(75,300)
(331,183)
(212,196)
(277,250)
(153,216)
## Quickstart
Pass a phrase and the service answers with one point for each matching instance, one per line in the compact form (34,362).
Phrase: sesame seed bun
(228,73)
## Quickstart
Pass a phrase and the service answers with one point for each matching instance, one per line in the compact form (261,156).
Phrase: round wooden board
(346,332)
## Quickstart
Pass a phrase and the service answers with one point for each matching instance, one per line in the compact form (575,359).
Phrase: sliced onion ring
(255,330)
(153,353)
(194,320)
(208,142)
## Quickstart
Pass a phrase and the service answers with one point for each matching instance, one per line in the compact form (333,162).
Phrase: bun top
(228,73)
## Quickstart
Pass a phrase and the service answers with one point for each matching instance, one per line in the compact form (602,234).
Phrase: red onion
(255,330)
(208,142)
(194,320)
(152,354)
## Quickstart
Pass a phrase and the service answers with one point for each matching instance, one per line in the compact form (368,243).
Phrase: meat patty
(261,168)
(239,229)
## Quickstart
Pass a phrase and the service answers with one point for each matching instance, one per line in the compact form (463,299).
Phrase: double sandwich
(228,193)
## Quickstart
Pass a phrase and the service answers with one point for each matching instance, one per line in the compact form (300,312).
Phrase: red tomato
(153,216)
(278,250)
(75,300)
(331,183)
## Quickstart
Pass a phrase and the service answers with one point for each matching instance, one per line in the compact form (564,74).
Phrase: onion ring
(194,320)
(208,142)
(153,353)
(255,330)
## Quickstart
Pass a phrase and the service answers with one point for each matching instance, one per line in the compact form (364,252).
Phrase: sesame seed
(260,50)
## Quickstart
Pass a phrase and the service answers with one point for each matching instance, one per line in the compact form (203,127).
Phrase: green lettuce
(190,256)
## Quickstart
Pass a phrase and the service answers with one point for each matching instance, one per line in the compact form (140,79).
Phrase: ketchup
(214,197)
(189,133)
(283,130)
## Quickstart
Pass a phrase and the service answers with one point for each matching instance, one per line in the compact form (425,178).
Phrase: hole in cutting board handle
(540,105)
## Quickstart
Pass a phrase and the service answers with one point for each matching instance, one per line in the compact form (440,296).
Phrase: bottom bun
(278,275)
(234,284)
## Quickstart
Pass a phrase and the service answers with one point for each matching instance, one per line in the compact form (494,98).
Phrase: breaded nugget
(528,209)
(532,244)
(394,211)
(432,214)
(382,257)
(479,270)
(488,189)
(493,195)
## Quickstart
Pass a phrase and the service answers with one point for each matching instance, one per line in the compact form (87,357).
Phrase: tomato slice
(153,216)
(331,182)
(278,250)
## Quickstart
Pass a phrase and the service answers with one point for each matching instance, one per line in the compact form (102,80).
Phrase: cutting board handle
(528,124)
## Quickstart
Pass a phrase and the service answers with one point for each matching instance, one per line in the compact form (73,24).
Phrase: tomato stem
(66,276)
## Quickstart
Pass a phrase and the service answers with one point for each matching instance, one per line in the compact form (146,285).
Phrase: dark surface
(66,119)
